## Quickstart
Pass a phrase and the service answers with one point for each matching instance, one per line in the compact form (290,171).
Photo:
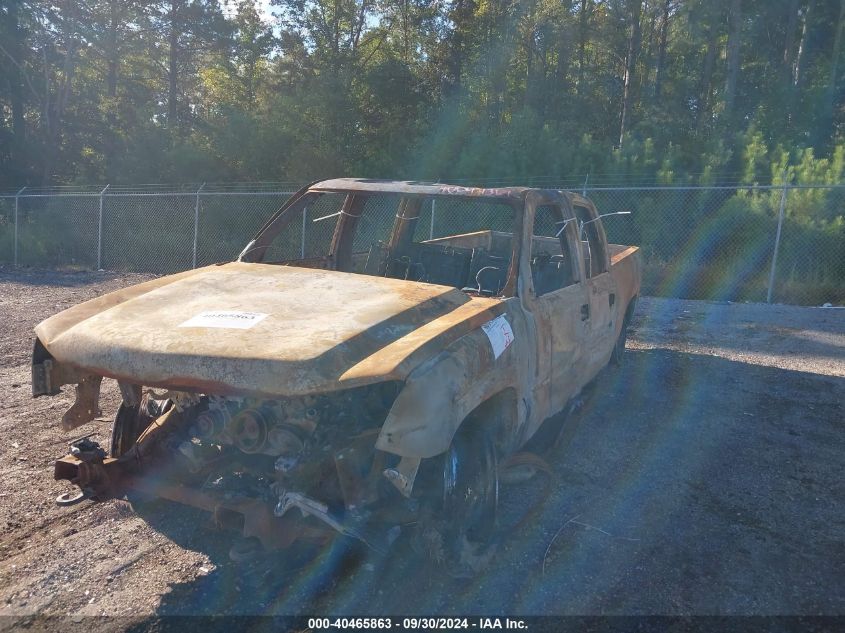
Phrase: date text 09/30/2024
(419,623)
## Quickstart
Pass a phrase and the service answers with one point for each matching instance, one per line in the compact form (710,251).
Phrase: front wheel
(130,422)
(125,430)
(462,515)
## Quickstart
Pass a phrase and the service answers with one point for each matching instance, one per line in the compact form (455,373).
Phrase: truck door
(556,298)
(600,309)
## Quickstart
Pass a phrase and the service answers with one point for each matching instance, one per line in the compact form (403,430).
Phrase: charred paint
(383,371)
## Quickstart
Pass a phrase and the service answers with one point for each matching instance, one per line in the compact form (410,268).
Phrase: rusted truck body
(376,382)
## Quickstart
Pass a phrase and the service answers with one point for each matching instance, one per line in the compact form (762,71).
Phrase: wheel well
(499,413)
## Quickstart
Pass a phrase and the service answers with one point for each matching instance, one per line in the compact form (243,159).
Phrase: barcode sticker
(225,319)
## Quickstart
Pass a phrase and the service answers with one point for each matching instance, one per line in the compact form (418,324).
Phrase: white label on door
(225,319)
(500,334)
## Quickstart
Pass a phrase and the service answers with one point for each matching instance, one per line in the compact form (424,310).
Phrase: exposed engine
(289,470)
(288,428)
(251,461)
(314,453)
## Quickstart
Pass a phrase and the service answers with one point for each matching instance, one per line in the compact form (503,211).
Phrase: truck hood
(263,329)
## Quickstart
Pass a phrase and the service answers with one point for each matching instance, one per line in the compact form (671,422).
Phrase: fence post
(431,227)
(777,244)
(100,231)
(584,190)
(17,195)
(196,225)
(302,240)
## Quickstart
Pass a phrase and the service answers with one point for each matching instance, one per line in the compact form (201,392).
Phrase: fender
(443,391)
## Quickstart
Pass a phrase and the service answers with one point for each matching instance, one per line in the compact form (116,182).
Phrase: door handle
(585,312)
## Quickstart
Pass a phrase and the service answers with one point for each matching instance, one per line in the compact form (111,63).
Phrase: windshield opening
(465,243)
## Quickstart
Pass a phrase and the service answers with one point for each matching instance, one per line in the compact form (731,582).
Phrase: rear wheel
(619,348)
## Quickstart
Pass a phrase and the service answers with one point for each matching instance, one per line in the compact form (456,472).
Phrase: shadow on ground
(687,484)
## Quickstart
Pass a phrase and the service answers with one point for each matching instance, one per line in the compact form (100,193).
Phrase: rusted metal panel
(417,188)
(86,406)
(441,392)
(302,346)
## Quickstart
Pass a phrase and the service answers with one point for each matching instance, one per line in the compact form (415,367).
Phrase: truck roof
(411,187)
(422,188)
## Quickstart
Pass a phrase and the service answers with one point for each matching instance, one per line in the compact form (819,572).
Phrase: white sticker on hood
(225,319)
(500,334)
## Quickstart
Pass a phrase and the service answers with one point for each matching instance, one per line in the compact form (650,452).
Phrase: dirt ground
(703,477)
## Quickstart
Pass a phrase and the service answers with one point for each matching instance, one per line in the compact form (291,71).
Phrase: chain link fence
(783,244)
(776,243)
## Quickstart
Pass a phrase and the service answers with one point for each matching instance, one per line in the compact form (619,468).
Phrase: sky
(264,9)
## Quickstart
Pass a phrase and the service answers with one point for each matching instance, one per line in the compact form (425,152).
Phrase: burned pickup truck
(368,378)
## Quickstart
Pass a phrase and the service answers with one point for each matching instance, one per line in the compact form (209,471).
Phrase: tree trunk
(335,65)
(801,56)
(830,97)
(634,11)
(706,82)
(461,12)
(733,55)
(661,50)
(15,79)
(173,68)
(834,56)
(54,124)
(250,82)
(789,39)
(584,24)
(111,86)
(788,70)
(111,52)
(552,100)
(528,46)
(406,34)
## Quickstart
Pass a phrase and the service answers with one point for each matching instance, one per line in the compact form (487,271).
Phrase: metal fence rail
(781,243)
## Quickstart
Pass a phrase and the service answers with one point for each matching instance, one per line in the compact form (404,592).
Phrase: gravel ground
(703,477)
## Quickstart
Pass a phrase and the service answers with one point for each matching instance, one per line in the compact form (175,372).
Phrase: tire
(618,354)
(124,431)
(130,422)
(462,517)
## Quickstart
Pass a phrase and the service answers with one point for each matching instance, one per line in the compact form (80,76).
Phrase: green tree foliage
(666,91)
